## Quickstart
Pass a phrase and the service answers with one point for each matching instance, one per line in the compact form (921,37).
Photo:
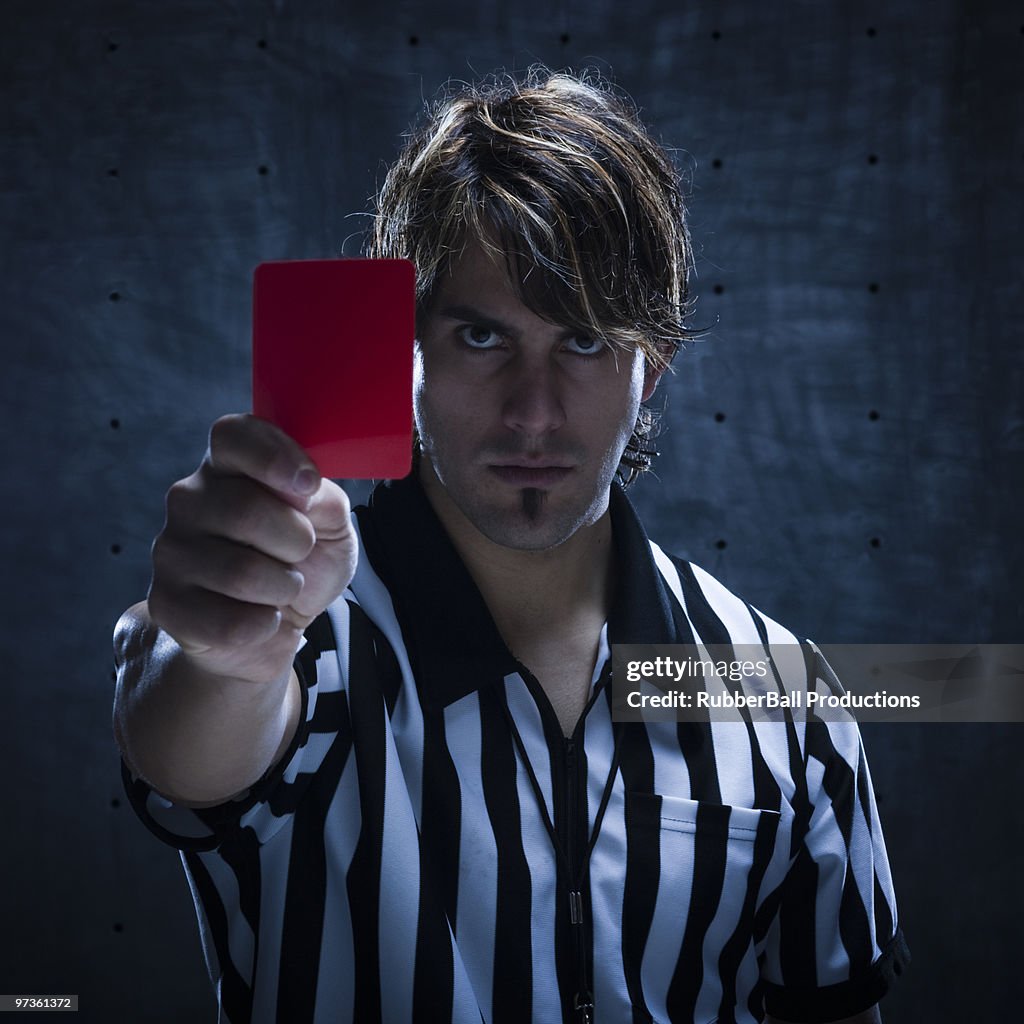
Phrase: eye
(584,345)
(479,337)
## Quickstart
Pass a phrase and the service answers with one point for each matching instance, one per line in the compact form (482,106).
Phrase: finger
(224,567)
(243,445)
(239,510)
(200,620)
(327,572)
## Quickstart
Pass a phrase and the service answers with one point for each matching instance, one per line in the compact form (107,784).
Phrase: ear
(652,374)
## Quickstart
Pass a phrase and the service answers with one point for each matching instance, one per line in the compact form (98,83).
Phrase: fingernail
(306,481)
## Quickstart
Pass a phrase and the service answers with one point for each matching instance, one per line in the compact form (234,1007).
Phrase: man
(430,814)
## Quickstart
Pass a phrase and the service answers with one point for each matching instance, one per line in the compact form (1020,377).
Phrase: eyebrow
(476,316)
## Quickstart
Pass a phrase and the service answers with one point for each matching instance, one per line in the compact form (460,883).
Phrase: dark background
(844,449)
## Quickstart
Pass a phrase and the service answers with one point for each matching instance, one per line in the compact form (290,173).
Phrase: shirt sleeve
(323,725)
(835,946)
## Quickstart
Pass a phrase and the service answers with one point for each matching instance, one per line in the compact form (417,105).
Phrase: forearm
(196,738)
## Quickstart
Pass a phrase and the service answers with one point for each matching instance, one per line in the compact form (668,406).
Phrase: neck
(531,594)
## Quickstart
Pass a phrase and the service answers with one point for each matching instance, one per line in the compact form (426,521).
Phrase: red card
(332,360)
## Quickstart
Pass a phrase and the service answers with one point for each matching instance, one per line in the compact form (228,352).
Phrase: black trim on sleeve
(222,819)
(138,791)
(833,1002)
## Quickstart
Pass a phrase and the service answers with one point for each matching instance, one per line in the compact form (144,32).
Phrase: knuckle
(178,500)
(223,429)
(250,446)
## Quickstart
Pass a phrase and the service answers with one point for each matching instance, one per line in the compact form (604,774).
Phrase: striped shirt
(432,848)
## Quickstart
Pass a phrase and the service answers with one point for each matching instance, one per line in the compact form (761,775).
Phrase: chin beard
(533,499)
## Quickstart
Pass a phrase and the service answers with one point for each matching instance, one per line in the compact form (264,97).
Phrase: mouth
(521,475)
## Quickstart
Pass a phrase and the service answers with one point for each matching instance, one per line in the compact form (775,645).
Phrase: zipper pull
(583,1004)
(575,907)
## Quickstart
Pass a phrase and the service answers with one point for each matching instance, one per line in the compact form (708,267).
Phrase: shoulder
(715,611)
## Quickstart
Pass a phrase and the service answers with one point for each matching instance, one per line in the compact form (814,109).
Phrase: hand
(255,546)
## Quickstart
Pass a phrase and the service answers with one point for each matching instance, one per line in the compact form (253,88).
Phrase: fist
(256,544)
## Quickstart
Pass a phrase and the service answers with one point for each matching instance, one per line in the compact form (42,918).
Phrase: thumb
(329,511)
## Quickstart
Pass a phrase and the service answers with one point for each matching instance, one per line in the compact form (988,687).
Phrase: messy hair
(557,173)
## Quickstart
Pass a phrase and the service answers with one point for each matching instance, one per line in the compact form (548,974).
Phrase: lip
(530,476)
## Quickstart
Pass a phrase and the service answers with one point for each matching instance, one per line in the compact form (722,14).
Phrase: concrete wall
(845,448)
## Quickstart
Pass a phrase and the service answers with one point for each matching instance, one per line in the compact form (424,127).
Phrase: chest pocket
(709,861)
(690,817)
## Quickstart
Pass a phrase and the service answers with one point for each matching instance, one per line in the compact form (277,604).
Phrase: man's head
(557,176)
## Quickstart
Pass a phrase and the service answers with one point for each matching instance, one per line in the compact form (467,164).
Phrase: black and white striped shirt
(426,850)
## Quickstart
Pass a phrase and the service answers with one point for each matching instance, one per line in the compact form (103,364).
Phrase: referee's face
(522,422)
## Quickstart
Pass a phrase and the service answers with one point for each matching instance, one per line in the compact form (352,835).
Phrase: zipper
(583,1001)
(566,852)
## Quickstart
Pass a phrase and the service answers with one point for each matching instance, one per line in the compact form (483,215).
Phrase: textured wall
(845,448)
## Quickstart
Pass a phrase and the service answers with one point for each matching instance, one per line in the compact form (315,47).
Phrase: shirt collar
(454,646)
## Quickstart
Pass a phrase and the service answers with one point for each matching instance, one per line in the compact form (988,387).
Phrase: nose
(533,399)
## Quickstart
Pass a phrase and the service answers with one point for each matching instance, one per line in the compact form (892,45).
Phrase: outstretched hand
(256,544)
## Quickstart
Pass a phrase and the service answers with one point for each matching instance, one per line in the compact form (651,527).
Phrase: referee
(383,740)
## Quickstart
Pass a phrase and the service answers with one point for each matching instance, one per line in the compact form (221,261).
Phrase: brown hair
(557,172)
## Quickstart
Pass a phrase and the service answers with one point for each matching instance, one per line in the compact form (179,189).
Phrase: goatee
(533,499)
